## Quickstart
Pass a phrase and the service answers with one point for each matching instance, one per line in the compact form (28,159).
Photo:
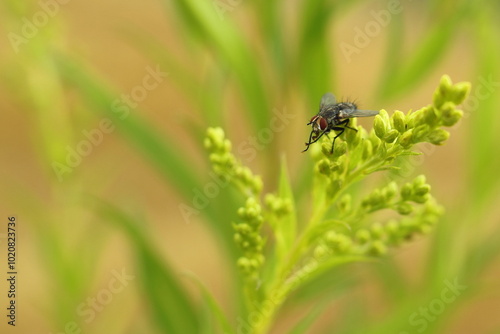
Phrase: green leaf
(170,305)
(314,59)
(422,60)
(215,311)
(484,138)
(305,323)
(207,102)
(164,154)
(201,20)
(286,229)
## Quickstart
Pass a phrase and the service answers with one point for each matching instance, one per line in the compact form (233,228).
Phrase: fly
(334,116)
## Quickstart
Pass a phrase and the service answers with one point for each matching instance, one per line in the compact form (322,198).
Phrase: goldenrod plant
(340,228)
(107,106)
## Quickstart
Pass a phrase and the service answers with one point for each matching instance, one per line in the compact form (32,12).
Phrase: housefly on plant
(334,116)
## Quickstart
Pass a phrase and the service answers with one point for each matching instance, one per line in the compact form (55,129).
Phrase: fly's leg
(308,142)
(345,124)
(314,140)
(334,138)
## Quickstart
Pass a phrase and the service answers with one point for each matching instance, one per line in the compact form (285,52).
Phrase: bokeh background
(103,245)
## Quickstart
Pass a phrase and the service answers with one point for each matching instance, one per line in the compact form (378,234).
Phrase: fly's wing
(362,113)
(327,100)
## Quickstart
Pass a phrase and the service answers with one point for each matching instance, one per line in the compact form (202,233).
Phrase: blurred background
(104,108)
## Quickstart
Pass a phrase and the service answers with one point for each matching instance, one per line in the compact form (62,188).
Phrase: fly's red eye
(322,123)
(313,119)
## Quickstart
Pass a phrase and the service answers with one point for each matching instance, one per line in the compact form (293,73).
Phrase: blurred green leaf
(315,62)
(393,280)
(483,118)
(207,102)
(272,30)
(308,320)
(170,305)
(286,231)
(215,313)
(166,157)
(329,285)
(202,20)
(422,60)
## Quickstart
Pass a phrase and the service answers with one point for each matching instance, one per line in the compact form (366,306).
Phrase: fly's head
(319,125)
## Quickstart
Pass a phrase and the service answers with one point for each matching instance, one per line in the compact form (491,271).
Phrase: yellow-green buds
(398,121)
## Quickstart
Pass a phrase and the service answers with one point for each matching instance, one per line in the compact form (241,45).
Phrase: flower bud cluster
(278,206)
(412,201)
(377,239)
(247,237)
(226,166)
(424,125)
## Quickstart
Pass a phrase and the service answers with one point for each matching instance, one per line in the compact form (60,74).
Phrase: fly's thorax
(345,109)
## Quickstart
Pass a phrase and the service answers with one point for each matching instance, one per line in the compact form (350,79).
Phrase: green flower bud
(271,200)
(376,198)
(398,121)
(407,192)
(385,116)
(391,136)
(344,203)
(340,149)
(331,237)
(242,228)
(420,133)
(326,147)
(419,181)
(260,258)
(377,248)
(442,92)
(320,251)
(367,149)
(379,126)
(392,227)
(350,135)
(406,139)
(460,92)
(390,191)
(438,136)
(363,236)
(404,208)
(244,264)
(421,199)
(430,116)
(453,117)
(323,167)
(343,244)
(416,118)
